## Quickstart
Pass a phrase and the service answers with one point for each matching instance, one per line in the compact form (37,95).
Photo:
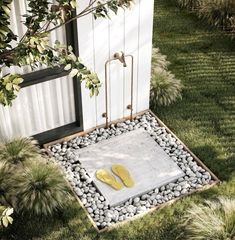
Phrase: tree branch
(83,13)
(89,9)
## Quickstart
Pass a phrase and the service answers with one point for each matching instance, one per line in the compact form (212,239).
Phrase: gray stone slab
(147,162)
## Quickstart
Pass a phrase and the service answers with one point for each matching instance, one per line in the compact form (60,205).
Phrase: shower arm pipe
(129,106)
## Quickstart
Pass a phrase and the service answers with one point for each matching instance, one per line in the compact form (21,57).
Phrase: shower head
(121,57)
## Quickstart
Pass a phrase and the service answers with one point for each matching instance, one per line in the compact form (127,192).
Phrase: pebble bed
(103,215)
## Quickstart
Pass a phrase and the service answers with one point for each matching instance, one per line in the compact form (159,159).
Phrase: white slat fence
(129,31)
(48,105)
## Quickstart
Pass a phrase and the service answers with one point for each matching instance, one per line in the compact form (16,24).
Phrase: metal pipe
(121,57)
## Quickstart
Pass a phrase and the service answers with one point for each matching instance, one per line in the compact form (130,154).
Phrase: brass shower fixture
(122,58)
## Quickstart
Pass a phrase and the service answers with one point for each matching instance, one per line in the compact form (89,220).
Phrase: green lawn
(204,59)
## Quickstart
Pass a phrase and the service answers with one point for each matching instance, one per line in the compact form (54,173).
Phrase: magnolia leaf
(70,48)
(2,32)
(16,89)
(92,91)
(28,60)
(43,44)
(9,86)
(95,81)
(96,91)
(40,49)
(68,67)
(92,75)
(5,221)
(73,73)
(9,211)
(57,43)
(17,81)
(6,9)
(31,56)
(73,3)
(32,41)
(72,57)
(10,219)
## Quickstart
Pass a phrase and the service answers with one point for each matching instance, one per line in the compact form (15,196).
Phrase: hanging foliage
(33,49)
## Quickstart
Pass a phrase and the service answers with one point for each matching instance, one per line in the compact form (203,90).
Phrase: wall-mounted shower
(122,58)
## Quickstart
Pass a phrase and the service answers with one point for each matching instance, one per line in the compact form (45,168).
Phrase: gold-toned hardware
(129,107)
(121,57)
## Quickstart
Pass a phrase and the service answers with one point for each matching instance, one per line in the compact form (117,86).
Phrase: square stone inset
(147,162)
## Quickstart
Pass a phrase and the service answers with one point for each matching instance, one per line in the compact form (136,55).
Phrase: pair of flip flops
(106,177)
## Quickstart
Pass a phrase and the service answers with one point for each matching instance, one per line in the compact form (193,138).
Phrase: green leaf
(4,221)
(17,81)
(92,91)
(6,9)
(70,48)
(9,86)
(68,67)
(16,88)
(10,219)
(95,81)
(73,73)
(9,211)
(57,43)
(73,3)
(40,49)
(72,57)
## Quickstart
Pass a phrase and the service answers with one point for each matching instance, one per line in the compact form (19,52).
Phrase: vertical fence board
(86,52)
(101,54)
(131,47)
(116,73)
(145,53)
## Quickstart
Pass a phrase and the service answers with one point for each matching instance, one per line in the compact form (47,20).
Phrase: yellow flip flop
(106,177)
(124,174)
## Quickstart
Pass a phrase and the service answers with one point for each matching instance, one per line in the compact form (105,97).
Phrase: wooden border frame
(138,216)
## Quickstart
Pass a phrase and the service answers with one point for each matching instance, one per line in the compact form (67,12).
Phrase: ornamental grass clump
(18,150)
(212,220)
(165,88)
(189,4)
(40,188)
(6,174)
(220,13)
(35,187)
(159,61)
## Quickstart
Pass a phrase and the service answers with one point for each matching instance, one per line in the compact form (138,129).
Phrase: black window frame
(50,74)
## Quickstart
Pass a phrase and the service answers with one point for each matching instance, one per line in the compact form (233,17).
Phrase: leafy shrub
(212,220)
(165,88)
(18,150)
(40,188)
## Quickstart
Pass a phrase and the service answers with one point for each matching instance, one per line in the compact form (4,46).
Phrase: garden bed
(196,175)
